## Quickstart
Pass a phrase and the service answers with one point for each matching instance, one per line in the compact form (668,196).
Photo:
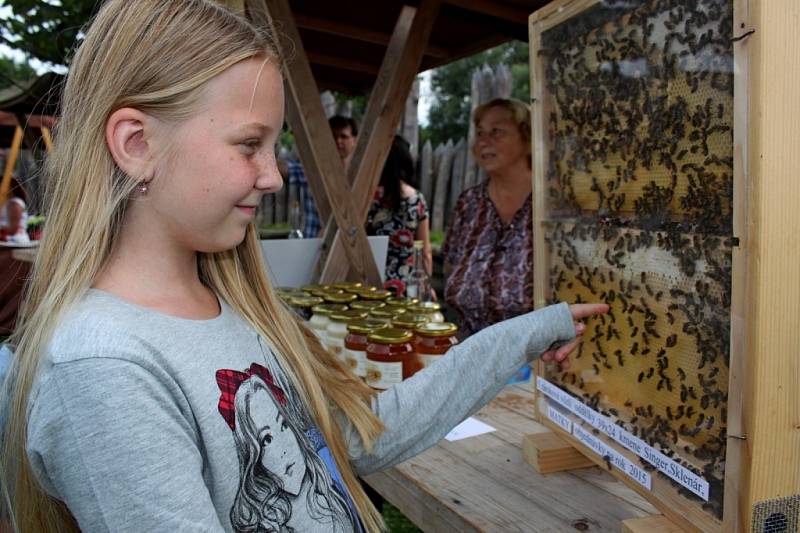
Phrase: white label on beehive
(613,456)
(664,464)
(555,414)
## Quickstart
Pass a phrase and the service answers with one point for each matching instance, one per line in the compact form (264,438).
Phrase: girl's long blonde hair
(156,56)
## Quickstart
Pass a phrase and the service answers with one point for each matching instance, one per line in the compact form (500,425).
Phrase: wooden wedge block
(547,452)
(650,524)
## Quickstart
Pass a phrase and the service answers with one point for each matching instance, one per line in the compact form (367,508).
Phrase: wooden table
(483,484)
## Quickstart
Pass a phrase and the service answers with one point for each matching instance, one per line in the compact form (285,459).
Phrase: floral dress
(401,227)
(490,261)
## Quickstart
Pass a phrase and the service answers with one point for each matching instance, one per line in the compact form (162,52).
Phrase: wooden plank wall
(772,396)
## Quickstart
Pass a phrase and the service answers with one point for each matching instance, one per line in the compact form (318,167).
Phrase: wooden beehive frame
(683,512)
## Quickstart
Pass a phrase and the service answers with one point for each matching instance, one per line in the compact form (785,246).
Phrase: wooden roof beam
(493,9)
(324,172)
(381,118)
(357,33)
(340,63)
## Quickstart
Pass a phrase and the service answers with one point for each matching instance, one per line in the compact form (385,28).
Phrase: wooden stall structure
(375,47)
(26,119)
(663,137)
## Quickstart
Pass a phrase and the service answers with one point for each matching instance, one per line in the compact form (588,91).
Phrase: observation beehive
(633,137)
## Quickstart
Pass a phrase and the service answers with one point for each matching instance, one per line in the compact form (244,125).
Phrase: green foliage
(451,84)
(13,73)
(45,29)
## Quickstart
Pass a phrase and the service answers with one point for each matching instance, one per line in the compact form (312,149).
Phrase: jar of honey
(390,357)
(302,305)
(433,340)
(349,286)
(409,321)
(320,319)
(339,297)
(355,344)
(401,300)
(432,309)
(395,308)
(376,294)
(382,313)
(337,329)
(367,305)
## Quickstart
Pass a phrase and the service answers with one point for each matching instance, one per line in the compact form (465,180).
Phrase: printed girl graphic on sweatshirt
(281,464)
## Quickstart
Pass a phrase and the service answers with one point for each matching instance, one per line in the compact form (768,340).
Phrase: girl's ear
(129,136)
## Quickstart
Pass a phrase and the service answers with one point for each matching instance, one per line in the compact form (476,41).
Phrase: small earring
(142,188)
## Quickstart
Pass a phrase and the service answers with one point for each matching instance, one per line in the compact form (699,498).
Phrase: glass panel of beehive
(638,116)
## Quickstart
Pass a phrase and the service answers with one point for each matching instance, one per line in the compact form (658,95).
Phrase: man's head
(345,133)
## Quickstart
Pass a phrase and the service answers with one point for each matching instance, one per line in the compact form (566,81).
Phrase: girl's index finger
(586,310)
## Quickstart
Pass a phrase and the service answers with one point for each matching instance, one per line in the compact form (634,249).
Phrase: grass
(396,522)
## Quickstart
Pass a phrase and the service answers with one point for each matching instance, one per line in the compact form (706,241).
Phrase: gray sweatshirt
(140,421)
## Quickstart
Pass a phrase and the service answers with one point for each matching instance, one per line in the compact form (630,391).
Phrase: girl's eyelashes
(266,439)
(249,146)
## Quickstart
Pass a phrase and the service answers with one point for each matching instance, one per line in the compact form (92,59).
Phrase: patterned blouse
(401,227)
(490,262)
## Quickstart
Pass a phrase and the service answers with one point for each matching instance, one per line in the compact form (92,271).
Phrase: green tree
(46,30)
(448,117)
(13,73)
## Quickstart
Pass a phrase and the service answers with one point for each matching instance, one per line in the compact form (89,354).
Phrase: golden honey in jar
(302,305)
(390,357)
(337,329)
(409,321)
(433,339)
(367,305)
(320,319)
(432,309)
(355,344)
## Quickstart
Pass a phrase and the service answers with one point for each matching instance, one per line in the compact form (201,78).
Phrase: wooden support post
(11,160)
(47,138)
(771,417)
(650,524)
(307,119)
(384,109)
(547,453)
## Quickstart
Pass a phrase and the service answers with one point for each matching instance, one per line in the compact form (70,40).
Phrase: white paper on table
(468,428)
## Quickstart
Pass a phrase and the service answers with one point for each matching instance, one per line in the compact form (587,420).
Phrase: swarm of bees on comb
(639,185)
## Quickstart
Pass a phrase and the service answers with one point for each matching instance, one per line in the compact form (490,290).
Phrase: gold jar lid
(395,308)
(366,325)
(322,291)
(425,307)
(327,309)
(390,336)
(377,294)
(384,313)
(436,329)
(304,301)
(347,315)
(367,305)
(409,321)
(399,300)
(313,287)
(342,298)
(348,285)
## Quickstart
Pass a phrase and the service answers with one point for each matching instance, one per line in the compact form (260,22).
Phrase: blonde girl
(150,282)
